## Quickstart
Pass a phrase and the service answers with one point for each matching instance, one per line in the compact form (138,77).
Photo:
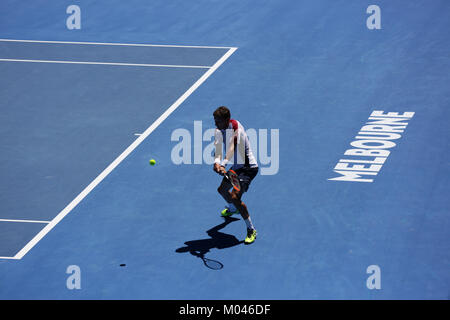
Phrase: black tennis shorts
(246,175)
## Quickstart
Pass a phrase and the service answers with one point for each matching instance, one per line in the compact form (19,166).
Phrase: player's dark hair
(222,112)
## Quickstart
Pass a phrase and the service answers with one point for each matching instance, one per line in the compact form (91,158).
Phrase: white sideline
(106,63)
(27,221)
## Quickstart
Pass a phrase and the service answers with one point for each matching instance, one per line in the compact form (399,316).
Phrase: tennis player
(233,147)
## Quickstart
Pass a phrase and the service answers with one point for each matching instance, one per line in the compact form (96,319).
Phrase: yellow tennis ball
(152,162)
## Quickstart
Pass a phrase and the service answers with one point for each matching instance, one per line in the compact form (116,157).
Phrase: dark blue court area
(84,109)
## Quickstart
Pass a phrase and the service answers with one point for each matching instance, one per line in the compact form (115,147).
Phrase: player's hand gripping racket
(234,179)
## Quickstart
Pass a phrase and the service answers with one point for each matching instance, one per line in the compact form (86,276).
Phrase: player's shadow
(218,240)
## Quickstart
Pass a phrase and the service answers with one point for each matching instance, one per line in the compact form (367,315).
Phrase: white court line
(119,159)
(106,63)
(115,44)
(27,221)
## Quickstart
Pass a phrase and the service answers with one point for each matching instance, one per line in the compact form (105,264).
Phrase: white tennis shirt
(232,146)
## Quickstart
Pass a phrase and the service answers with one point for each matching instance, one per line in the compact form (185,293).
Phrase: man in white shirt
(230,137)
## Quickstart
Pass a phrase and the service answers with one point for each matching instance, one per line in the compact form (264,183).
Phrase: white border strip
(106,63)
(27,221)
(115,44)
(119,159)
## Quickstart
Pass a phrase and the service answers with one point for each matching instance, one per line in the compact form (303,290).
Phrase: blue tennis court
(84,110)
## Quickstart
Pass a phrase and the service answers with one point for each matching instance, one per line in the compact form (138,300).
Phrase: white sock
(249,224)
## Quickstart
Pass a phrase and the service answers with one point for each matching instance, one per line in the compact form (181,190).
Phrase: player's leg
(240,205)
(245,177)
(223,190)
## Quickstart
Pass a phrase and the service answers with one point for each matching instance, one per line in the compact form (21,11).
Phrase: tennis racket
(212,264)
(234,179)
